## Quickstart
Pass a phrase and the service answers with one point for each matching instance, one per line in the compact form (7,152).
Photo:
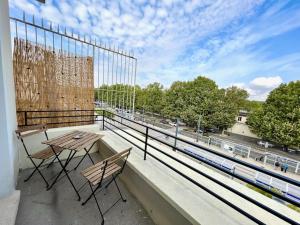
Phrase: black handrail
(279,215)
(106,120)
(204,161)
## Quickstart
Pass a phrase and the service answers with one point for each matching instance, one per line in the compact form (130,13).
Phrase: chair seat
(46,153)
(94,173)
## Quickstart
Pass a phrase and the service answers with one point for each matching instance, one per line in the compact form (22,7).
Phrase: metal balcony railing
(115,123)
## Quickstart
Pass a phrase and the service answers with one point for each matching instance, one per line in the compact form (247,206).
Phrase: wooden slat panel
(97,173)
(81,141)
(94,173)
(67,138)
(111,172)
(62,137)
(95,177)
(36,127)
(77,142)
(70,141)
(89,143)
(29,133)
(46,153)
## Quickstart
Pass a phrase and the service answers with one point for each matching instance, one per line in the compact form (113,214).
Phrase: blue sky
(253,44)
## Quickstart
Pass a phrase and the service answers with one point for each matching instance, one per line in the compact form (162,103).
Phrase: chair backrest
(109,163)
(30,130)
(118,157)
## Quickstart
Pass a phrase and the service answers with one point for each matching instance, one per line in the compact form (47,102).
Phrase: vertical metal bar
(16,25)
(116,89)
(103,82)
(133,104)
(53,44)
(128,69)
(45,38)
(25,117)
(69,70)
(124,90)
(75,72)
(112,80)
(103,117)
(81,71)
(146,143)
(120,88)
(35,31)
(62,67)
(130,81)
(107,88)
(98,73)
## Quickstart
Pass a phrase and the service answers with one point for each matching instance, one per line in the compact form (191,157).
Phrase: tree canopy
(278,119)
(187,100)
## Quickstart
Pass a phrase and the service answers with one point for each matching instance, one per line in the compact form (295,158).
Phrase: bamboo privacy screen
(58,69)
(48,80)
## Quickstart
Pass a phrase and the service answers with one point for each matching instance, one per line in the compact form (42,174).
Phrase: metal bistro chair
(99,173)
(43,155)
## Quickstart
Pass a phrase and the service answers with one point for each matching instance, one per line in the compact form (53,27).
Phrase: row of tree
(201,97)
(277,119)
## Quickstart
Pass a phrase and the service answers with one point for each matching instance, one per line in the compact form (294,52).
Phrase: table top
(74,140)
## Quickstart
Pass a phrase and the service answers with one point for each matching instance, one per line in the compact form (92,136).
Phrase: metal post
(176,134)
(198,127)
(146,143)
(249,151)
(297,167)
(103,119)
(25,118)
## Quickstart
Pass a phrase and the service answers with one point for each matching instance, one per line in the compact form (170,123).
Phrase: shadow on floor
(59,206)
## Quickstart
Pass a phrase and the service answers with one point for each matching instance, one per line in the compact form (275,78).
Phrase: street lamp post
(198,127)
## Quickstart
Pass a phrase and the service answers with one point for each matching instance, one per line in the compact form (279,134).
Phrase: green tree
(279,118)
(153,98)
(252,105)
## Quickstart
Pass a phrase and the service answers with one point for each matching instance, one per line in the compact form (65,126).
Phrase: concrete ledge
(178,201)
(9,208)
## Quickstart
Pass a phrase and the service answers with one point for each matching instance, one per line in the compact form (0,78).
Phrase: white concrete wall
(9,156)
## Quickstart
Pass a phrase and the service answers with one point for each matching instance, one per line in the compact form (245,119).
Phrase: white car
(265,144)
(228,147)
(172,124)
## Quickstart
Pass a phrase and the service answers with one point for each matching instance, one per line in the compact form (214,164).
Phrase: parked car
(172,124)
(212,130)
(291,150)
(228,147)
(265,144)
(164,121)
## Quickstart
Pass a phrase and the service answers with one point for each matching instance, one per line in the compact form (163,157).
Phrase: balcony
(164,184)
(160,189)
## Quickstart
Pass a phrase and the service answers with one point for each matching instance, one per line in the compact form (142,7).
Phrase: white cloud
(178,40)
(260,87)
(266,82)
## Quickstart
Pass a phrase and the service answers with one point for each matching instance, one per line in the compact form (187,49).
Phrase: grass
(297,209)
